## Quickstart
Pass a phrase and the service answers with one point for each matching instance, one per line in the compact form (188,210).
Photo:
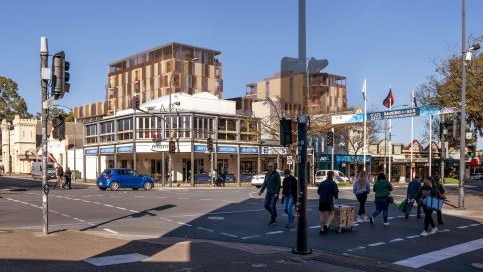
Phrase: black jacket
(289,186)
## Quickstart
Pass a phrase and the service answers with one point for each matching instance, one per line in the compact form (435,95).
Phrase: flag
(389,101)
(364,91)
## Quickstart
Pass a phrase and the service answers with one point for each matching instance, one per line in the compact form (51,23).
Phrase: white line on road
(377,244)
(66,215)
(121,208)
(438,255)
(396,240)
(274,232)
(227,234)
(184,224)
(357,248)
(134,211)
(201,228)
(108,205)
(111,231)
(250,237)
(412,236)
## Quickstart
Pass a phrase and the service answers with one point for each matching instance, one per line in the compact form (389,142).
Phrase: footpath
(69,250)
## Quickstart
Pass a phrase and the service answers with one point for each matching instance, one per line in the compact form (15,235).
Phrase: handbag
(433,203)
(402,207)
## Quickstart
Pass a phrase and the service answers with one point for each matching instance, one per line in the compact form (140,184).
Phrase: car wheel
(148,186)
(114,186)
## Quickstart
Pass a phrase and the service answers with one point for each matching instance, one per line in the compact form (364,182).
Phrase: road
(236,214)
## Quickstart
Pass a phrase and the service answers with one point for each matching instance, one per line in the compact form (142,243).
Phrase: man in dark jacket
(289,195)
(273,184)
(413,196)
(328,191)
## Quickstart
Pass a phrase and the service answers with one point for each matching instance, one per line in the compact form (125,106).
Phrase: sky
(393,44)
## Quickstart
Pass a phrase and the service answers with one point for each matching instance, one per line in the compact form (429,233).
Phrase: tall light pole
(466,55)
(170,162)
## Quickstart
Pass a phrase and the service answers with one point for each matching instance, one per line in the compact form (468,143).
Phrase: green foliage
(11,103)
(451,181)
(445,88)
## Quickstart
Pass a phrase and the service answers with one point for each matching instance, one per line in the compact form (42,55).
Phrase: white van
(321,175)
(37,170)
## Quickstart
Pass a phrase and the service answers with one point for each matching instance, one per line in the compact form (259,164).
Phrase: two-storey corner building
(140,139)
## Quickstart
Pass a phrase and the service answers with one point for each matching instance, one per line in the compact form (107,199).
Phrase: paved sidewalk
(24,250)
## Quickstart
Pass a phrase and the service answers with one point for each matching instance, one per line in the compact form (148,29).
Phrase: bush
(451,181)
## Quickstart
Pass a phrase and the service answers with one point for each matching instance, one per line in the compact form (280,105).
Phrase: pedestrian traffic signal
(330,138)
(471,151)
(172,147)
(60,75)
(135,102)
(209,144)
(58,125)
(285,132)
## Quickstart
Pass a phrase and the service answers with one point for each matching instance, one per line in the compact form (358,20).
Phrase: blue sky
(391,43)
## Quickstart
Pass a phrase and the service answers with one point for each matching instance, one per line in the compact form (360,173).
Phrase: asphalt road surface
(237,214)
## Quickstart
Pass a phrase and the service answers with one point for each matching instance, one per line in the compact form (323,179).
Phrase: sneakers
(424,233)
(371,219)
(326,228)
(359,219)
(272,223)
(386,223)
(433,231)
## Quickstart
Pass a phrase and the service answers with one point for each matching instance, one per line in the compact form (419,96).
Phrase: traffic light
(60,75)
(285,132)
(58,124)
(330,138)
(172,147)
(209,144)
(471,151)
(135,102)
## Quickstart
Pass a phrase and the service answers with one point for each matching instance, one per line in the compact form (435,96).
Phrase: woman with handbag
(361,189)
(429,189)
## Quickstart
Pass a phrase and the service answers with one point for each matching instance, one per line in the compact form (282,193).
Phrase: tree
(445,88)
(11,103)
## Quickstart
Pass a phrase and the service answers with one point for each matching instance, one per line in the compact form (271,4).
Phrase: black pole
(301,207)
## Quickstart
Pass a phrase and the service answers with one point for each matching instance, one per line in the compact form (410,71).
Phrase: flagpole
(430,142)
(412,138)
(364,95)
(390,138)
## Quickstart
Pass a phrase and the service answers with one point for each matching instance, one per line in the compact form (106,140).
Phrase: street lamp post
(466,55)
(170,161)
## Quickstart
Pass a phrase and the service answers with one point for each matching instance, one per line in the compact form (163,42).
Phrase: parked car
(476,176)
(257,180)
(115,178)
(37,170)
(321,175)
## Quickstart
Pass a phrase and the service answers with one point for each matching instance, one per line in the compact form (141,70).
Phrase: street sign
(289,160)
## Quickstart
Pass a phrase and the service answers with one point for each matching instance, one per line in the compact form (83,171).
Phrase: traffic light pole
(44,56)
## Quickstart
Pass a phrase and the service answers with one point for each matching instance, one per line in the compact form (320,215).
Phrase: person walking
(328,191)
(273,185)
(428,189)
(60,175)
(361,189)
(441,195)
(414,186)
(67,178)
(382,189)
(289,196)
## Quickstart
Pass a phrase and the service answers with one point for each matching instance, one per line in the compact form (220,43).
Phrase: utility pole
(45,75)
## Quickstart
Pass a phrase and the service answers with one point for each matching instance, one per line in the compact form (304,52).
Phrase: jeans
(288,202)
(270,205)
(410,207)
(382,205)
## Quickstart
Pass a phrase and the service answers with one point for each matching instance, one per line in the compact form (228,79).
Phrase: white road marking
(377,244)
(116,259)
(227,234)
(412,236)
(66,215)
(462,227)
(206,199)
(121,208)
(80,220)
(314,227)
(111,231)
(439,255)
(134,211)
(396,240)
(474,225)
(250,237)
(184,224)
(201,228)
(357,248)
(108,205)
(274,232)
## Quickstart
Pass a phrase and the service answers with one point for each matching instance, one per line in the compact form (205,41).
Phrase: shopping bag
(433,203)
(402,207)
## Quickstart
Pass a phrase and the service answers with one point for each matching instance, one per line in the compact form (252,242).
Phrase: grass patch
(451,181)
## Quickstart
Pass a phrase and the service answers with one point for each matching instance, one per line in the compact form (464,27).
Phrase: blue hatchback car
(115,178)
